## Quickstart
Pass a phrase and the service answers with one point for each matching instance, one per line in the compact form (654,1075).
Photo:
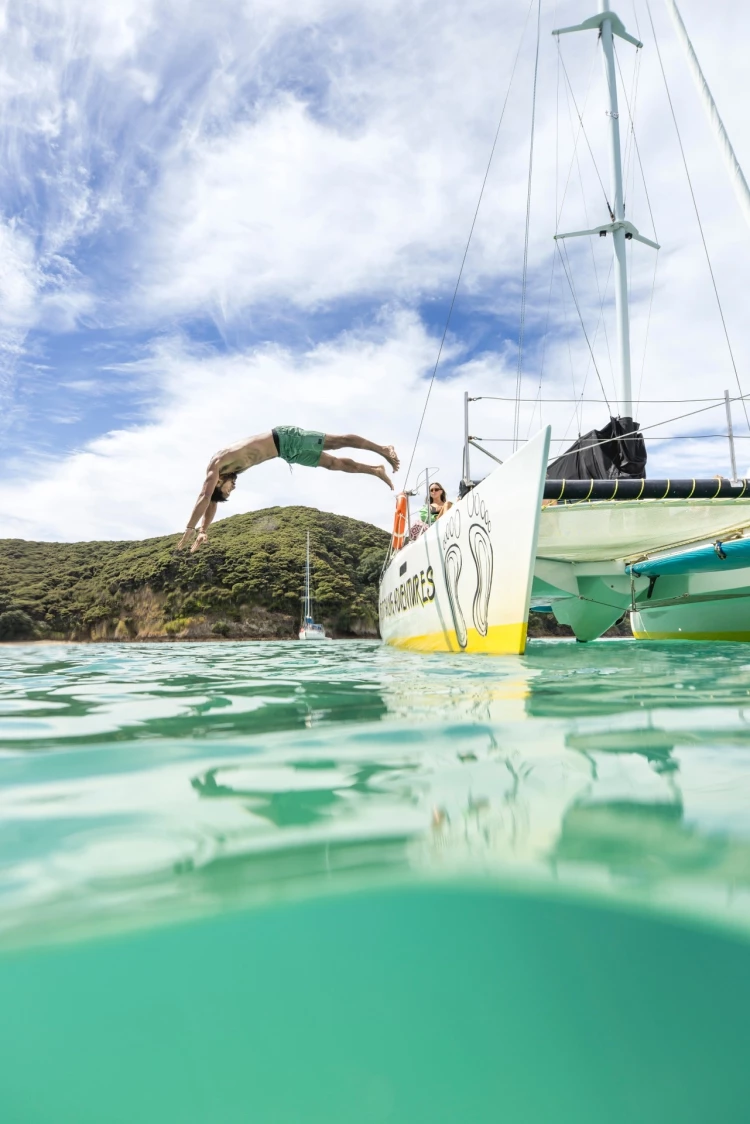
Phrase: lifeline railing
(726,400)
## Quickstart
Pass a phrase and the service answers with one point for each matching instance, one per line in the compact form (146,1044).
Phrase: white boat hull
(717,619)
(584,549)
(712,605)
(601,531)
(465,584)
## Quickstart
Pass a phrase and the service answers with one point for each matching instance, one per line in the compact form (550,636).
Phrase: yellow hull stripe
(740,637)
(501,640)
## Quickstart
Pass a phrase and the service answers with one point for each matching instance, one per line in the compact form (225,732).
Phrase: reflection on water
(144,783)
(412,887)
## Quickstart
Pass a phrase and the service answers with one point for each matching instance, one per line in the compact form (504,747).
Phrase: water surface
(338,882)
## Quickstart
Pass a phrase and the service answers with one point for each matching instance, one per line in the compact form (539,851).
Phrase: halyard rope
(468,243)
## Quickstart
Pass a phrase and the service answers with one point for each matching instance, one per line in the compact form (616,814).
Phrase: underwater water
(335,882)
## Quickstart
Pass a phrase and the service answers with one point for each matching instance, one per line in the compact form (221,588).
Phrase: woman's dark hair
(434,484)
(217,495)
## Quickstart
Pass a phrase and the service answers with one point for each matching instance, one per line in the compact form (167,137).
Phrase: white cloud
(18,277)
(364,185)
(144,480)
(283,157)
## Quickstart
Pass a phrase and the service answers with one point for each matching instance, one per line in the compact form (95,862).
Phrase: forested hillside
(246,582)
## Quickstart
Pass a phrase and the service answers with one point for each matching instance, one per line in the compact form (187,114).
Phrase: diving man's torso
(246,454)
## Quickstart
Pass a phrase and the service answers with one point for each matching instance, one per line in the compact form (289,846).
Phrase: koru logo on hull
(419,590)
(480,547)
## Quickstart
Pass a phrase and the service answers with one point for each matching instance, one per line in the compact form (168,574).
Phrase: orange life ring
(399,522)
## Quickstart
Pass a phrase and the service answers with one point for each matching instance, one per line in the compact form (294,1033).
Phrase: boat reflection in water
(232,771)
(591,769)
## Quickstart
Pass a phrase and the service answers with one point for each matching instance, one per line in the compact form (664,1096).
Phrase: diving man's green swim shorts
(298,446)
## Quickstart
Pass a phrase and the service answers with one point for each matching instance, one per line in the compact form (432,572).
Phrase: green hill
(246,582)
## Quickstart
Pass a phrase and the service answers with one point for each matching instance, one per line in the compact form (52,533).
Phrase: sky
(219,218)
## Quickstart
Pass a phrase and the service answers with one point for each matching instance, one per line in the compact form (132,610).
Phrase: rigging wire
(559,210)
(596,271)
(599,322)
(647,428)
(554,256)
(689,414)
(577,411)
(538,397)
(635,17)
(637,146)
(654,437)
(697,213)
(575,162)
(629,147)
(585,134)
(468,243)
(569,277)
(648,329)
(629,183)
(630,144)
(595,401)
(524,279)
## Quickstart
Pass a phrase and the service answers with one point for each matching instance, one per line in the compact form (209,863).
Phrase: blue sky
(219,218)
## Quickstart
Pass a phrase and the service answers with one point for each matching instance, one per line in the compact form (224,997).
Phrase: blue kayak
(702,560)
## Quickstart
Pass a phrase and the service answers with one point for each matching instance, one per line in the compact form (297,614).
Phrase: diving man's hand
(186,538)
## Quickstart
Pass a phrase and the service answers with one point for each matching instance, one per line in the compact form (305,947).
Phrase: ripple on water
(140,783)
(410,887)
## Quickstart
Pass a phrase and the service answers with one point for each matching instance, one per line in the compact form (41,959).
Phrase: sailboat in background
(674,553)
(309,630)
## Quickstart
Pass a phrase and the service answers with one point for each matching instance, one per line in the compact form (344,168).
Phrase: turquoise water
(286,882)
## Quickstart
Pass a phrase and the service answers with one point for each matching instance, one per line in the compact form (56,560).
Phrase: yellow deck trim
(501,640)
(739,637)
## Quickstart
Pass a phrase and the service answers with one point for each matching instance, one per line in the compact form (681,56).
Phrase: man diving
(293,445)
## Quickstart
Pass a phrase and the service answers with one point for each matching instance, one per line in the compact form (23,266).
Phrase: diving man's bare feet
(382,475)
(391,456)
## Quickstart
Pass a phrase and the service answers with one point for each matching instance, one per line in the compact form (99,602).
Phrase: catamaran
(309,630)
(675,554)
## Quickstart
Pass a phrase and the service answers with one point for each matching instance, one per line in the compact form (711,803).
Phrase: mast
(739,182)
(308,612)
(467,468)
(730,435)
(622,311)
(609,24)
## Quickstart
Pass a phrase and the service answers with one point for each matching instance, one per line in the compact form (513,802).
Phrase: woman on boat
(436,504)
(438,501)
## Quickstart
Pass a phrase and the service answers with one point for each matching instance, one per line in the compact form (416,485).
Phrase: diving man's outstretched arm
(202,536)
(203,506)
